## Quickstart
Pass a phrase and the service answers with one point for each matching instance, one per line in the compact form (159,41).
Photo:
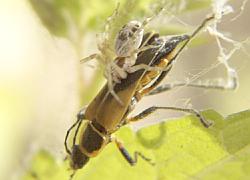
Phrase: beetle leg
(152,109)
(231,84)
(72,175)
(146,67)
(80,117)
(131,160)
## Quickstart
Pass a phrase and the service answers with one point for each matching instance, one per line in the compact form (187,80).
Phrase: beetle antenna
(72,175)
(76,132)
(197,30)
(67,135)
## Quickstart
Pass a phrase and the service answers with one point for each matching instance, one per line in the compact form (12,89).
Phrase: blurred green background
(43,85)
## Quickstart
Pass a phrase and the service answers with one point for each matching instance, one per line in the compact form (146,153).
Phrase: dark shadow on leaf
(152,143)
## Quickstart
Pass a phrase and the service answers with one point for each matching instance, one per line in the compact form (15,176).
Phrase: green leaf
(181,149)
(45,166)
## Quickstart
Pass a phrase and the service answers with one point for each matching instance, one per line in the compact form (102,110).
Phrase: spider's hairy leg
(111,18)
(92,56)
(111,83)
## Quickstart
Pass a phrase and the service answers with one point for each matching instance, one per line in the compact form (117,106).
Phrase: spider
(128,44)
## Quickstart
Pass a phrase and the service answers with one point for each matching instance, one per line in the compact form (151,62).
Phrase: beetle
(105,115)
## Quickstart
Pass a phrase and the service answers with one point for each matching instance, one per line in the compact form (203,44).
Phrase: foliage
(181,149)
(61,17)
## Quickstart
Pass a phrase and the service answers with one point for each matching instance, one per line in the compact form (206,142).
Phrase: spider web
(227,47)
(220,8)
